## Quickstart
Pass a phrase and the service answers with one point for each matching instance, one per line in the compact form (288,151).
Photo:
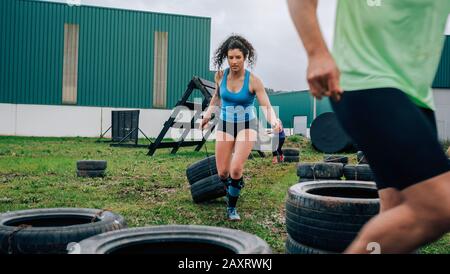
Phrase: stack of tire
(91,168)
(291,154)
(204,181)
(360,171)
(319,171)
(325,217)
(50,231)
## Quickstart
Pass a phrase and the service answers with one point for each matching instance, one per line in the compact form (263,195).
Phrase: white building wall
(442,102)
(73,121)
(60,121)
(7,119)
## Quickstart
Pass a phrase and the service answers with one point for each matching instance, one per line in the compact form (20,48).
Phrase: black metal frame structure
(207,89)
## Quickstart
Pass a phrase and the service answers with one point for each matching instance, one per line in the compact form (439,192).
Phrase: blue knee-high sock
(234,191)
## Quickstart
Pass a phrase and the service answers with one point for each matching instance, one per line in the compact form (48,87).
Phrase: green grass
(40,173)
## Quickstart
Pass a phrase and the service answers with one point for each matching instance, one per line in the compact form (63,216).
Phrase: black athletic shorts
(399,138)
(234,128)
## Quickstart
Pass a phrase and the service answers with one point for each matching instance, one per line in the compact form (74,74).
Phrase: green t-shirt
(390,43)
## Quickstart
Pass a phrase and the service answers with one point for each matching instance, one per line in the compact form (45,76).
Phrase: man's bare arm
(304,16)
(323,74)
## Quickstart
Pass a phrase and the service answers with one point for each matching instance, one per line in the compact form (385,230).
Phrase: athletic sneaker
(232,214)
(282,158)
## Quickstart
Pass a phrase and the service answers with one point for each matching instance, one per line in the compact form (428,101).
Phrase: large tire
(327,215)
(91,173)
(358,172)
(320,170)
(328,136)
(174,239)
(207,189)
(294,247)
(53,229)
(91,165)
(335,159)
(302,180)
(291,151)
(361,158)
(291,159)
(201,169)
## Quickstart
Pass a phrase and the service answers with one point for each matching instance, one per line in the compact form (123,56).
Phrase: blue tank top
(237,106)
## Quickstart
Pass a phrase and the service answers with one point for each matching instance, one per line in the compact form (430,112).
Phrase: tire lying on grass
(208,188)
(51,230)
(327,215)
(174,239)
(291,151)
(358,172)
(291,159)
(201,169)
(91,165)
(302,180)
(91,168)
(320,170)
(91,173)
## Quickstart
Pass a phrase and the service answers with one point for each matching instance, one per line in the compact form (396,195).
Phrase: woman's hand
(277,128)
(204,124)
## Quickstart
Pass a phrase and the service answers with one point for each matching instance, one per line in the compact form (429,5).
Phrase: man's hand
(323,77)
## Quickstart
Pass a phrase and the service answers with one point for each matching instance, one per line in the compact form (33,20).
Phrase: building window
(160,70)
(70,64)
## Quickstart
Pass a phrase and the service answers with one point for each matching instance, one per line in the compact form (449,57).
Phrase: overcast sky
(266,24)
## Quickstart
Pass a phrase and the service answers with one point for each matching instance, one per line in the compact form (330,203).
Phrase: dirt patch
(8,177)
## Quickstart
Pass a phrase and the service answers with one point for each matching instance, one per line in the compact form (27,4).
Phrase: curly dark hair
(234,42)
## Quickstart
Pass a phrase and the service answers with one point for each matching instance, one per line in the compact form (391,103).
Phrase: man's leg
(389,198)
(416,161)
(423,217)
